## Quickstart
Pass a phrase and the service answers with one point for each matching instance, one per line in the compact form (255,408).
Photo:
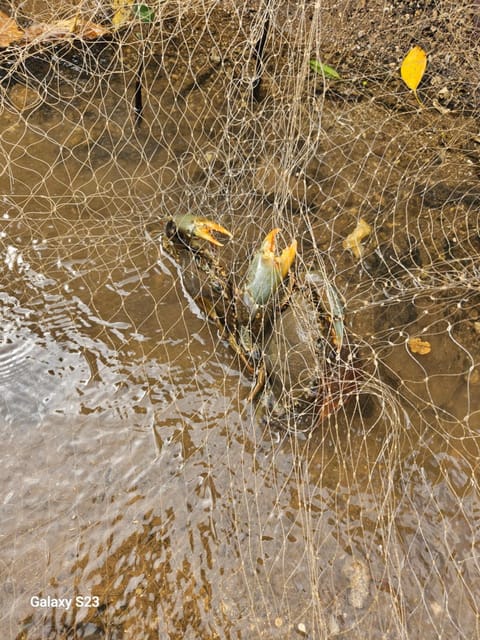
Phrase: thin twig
(138,103)
(258,51)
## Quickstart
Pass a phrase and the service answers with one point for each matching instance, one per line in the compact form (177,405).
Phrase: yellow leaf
(122,12)
(353,240)
(416,345)
(9,30)
(412,69)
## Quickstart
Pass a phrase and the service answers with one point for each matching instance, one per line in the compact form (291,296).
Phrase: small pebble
(215,57)
(333,625)
(357,572)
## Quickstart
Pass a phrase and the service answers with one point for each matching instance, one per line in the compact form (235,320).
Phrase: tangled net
(137,472)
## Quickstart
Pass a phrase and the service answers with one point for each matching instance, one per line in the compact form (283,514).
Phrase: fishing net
(141,482)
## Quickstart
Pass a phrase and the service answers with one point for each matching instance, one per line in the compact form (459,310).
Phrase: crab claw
(285,260)
(268,270)
(201,228)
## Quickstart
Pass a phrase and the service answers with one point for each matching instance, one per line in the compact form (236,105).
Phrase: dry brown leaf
(353,240)
(84,28)
(412,69)
(417,345)
(92,30)
(63,28)
(43,31)
(9,30)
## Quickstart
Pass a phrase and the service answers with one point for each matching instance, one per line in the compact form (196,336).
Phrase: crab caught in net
(288,329)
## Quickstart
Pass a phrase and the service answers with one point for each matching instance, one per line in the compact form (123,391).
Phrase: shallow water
(135,472)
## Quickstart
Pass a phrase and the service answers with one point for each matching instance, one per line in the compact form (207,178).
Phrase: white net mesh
(136,470)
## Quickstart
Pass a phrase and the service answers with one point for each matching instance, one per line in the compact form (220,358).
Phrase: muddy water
(108,401)
(135,474)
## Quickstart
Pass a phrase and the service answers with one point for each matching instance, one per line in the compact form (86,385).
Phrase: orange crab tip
(268,244)
(205,229)
(287,258)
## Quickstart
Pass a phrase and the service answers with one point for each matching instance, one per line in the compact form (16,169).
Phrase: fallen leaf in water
(417,345)
(9,30)
(324,69)
(353,240)
(412,69)
(122,12)
(64,28)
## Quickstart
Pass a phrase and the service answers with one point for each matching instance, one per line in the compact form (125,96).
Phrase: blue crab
(289,331)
